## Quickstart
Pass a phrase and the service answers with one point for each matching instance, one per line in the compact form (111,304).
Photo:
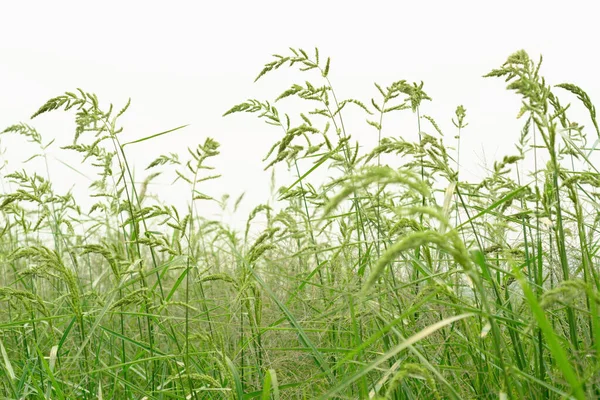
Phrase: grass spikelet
(416,371)
(218,277)
(564,293)
(136,297)
(412,241)
(383,176)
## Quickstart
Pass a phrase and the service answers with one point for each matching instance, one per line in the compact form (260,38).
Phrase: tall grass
(392,279)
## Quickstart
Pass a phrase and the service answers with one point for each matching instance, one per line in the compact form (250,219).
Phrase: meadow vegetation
(392,279)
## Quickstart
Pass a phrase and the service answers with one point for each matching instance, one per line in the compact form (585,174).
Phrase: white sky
(188,62)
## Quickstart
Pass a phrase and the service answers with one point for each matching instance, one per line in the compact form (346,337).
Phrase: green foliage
(392,279)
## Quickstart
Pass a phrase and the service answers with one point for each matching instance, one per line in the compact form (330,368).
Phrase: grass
(392,279)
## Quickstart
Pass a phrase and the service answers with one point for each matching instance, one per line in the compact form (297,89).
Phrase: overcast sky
(188,62)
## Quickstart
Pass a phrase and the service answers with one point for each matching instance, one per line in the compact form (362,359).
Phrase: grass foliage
(392,279)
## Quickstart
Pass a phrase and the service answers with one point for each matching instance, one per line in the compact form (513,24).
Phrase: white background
(188,62)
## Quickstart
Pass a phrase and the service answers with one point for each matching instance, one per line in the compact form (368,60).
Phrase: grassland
(392,279)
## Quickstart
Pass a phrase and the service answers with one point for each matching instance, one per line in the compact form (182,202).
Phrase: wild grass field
(393,279)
